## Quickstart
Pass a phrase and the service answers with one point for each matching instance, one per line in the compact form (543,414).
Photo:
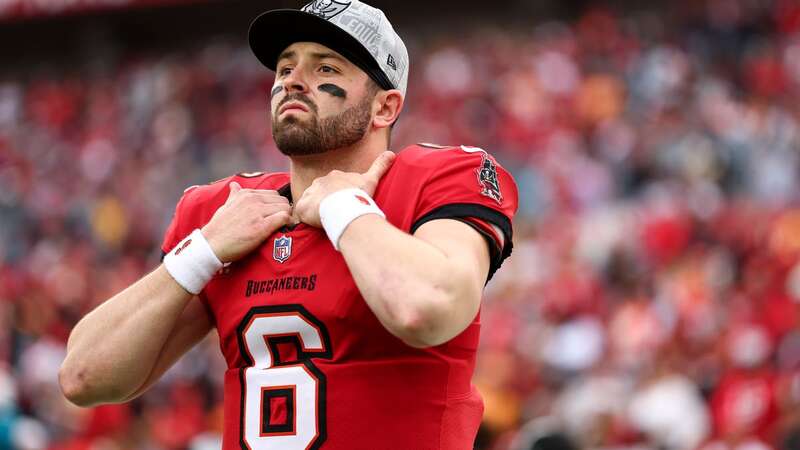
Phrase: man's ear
(387,107)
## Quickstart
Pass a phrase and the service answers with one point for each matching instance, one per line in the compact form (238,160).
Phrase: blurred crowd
(653,297)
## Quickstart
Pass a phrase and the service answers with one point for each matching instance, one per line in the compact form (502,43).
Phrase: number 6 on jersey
(283,403)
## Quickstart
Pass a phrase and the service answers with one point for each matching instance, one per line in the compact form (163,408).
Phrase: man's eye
(327,69)
(284,71)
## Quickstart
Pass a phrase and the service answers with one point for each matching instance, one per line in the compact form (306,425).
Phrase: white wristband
(337,210)
(192,263)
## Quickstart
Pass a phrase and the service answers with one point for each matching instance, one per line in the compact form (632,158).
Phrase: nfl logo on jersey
(282,249)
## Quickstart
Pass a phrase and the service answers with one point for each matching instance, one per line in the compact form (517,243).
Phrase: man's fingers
(275,208)
(234,188)
(380,166)
(271,197)
(277,220)
(262,191)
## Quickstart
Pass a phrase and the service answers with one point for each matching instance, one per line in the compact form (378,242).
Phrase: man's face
(320,101)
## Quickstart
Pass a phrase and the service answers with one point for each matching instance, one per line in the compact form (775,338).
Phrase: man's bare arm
(425,288)
(124,345)
(112,351)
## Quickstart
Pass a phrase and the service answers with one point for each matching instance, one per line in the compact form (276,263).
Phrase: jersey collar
(286,191)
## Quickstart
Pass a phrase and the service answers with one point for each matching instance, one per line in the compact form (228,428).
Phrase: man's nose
(295,82)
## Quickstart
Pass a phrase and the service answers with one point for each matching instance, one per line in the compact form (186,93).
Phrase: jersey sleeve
(467,184)
(179,227)
(176,230)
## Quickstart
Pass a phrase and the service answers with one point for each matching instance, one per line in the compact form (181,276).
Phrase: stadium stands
(653,297)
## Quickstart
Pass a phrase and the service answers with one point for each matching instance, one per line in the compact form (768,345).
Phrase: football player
(345,292)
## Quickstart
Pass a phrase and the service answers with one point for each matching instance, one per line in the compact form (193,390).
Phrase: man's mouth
(292,106)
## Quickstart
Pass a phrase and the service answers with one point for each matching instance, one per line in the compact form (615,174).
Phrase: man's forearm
(118,350)
(408,283)
(112,350)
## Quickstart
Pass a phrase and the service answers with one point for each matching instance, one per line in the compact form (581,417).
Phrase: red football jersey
(309,364)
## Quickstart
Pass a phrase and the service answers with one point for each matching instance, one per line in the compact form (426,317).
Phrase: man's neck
(303,170)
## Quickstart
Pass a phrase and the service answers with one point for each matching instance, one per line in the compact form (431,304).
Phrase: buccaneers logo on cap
(327,9)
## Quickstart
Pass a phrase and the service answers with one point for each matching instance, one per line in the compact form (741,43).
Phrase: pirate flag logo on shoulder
(487,178)
(282,249)
(487,174)
(327,9)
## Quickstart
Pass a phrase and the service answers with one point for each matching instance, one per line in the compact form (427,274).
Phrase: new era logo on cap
(390,62)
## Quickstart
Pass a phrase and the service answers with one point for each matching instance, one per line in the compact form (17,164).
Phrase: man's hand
(246,219)
(306,209)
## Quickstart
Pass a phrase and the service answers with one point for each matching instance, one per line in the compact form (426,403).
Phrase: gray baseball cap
(357,31)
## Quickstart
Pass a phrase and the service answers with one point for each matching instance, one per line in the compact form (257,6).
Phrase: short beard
(293,138)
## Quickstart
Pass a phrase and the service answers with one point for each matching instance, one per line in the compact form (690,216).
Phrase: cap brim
(271,32)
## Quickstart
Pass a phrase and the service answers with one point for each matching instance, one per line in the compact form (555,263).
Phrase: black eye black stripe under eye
(333,89)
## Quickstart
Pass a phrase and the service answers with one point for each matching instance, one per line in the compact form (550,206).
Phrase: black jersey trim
(460,211)
(286,191)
